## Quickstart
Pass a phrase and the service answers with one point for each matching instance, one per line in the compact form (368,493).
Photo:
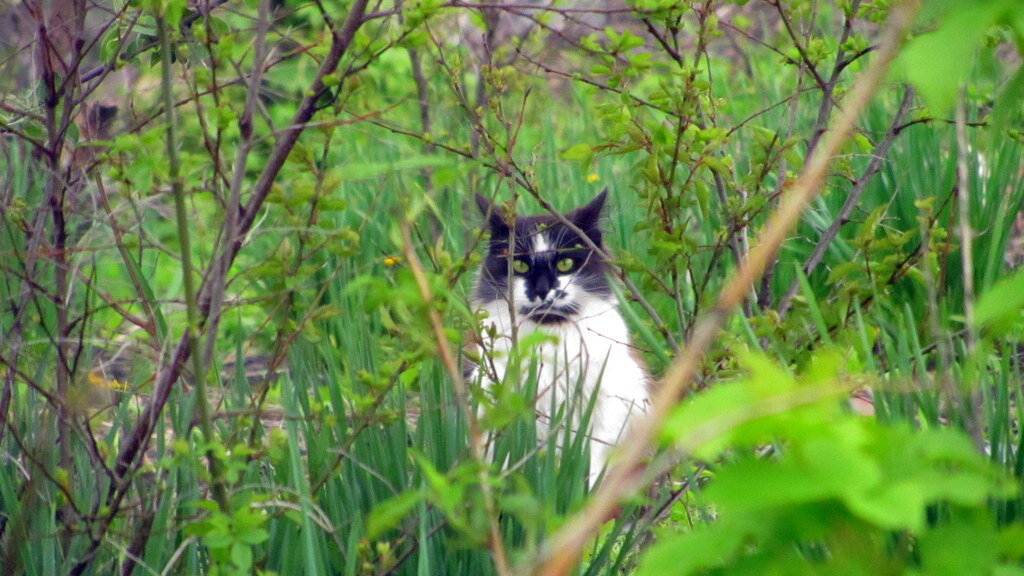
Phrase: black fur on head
(558,269)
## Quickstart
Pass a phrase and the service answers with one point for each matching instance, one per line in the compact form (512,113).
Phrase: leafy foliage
(840,493)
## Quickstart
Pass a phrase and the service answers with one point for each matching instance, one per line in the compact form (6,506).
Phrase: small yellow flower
(593,177)
(391,261)
(97,380)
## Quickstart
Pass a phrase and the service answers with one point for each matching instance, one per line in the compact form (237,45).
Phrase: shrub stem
(192,309)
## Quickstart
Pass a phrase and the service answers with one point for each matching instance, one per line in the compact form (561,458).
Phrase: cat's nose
(543,286)
(542,293)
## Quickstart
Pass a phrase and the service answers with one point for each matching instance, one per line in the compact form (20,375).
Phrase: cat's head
(547,269)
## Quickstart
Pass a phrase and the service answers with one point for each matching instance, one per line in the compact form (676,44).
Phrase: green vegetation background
(334,441)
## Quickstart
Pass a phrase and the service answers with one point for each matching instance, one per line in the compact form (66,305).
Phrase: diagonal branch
(563,549)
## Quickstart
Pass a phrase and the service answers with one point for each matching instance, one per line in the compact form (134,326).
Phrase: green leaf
(1008,105)
(960,32)
(998,309)
(241,556)
(895,506)
(435,479)
(768,403)
(253,536)
(960,548)
(716,165)
(173,11)
(1011,541)
(580,152)
(705,548)
(759,484)
(533,341)
(390,512)
(840,460)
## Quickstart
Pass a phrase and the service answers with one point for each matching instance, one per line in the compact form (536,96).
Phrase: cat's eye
(565,265)
(520,266)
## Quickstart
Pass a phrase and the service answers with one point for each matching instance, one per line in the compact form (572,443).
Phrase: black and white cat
(540,276)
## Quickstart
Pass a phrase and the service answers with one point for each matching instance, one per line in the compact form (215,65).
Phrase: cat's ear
(588,216)
(494,214)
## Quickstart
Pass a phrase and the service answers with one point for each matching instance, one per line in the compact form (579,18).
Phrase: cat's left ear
(588,216)
(494,214)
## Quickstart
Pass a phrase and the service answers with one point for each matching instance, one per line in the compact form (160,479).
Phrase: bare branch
(851,202)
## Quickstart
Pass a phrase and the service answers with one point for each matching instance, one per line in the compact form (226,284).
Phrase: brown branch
(851,202)
(927,119)
(828,88)
(230,226)
(804,58)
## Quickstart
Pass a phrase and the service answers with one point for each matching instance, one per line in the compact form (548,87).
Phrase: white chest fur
(587,360)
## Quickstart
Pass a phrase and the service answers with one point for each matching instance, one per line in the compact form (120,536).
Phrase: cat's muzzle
(550,311)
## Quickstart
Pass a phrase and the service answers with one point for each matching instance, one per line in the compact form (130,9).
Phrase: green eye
(565,264)
(520,266)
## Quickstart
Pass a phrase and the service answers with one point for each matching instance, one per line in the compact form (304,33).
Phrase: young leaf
(961,30)
(998,310)
(704,548)
(390,512)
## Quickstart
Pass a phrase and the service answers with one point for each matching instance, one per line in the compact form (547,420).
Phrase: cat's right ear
(494,214)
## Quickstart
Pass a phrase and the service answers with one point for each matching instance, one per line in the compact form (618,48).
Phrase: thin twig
(804,58)
(192,330)
(737,235)
(851,202)
(971,400)
(234,203)
(828,88)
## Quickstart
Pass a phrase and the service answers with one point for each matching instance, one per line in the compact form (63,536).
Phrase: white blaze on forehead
(540,244)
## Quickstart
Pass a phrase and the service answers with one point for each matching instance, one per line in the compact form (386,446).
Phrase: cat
(539,275)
